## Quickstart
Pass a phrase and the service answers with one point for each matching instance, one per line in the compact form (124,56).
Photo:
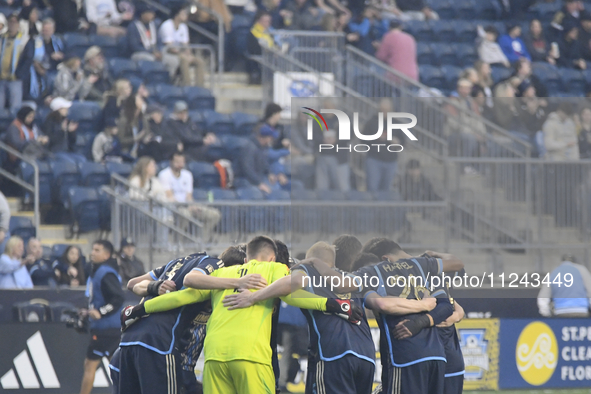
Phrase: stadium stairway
(234,94)
(49,234)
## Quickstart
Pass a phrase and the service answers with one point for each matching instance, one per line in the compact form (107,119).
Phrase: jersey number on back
(243,272)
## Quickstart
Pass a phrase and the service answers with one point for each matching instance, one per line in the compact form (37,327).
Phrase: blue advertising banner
(545,353)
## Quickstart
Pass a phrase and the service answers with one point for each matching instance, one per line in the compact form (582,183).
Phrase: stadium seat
(244,123)
(6,118)
(41,114)
(465,9)
(199,98)
(241,20)
(109,45)
(197,118)
(445,8)
(444,31)
(432,77)
(421,31)
(486,9)
(200,195)
(65,175)
(451,74)
(57,250)
(222,194)
(425,53)
(76,44)
(466,55)
(122,68)
(499,74)
(249,193)
(543,11)
(57,309)
(123,169)
(205,175)
(465,32)
(155,72)
(279,195)
(573,82)
(94,174)
(45,180)
(22,226)
(86,113)
(85,206)
(549,77)
(220,124)
(168,95)
(83,144)
(31,312)
(444,54)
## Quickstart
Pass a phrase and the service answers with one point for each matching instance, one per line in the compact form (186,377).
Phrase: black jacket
(252,162)
(130,267)
(189,134)
(60,140)
(111,289)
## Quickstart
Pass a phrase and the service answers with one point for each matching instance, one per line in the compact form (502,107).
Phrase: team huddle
(228,307)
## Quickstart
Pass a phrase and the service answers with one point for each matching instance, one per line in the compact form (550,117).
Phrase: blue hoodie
(513,48)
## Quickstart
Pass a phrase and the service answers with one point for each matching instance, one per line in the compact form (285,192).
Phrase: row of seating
(461,55)
(466,9)
(36,311)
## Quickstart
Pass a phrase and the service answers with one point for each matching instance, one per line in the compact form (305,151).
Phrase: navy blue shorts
(426,377)
(347,375)
(142,371)
(454,384)
(114,369)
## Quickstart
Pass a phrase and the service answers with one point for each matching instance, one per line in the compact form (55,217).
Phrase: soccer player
(237,351)
(160,351)
(347,248)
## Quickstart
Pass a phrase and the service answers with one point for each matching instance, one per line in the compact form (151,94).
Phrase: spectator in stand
(569,15)
(69,268)
(130,266)
(12,44)
(4,222)
(488,49)
(70,17)
(361,25)
(524,74)
(59,129)
(414,186)
(571,54)
(258,37)
(532,116)
(70,82)
(380,166)
(560,134)
(252,167)
(332,168)
(398,49)
(485,80)
(13,268)
(39,269)
(41,56)
(143,180)
(178,186)
(537,45)
(115,98)
(97,74)
(132,119)
(416,10)
(106,16)
(195,144)
(3,24)
(585,36)
(174,35)
(512,45)
(142,36)
(157,141)
(23,135)
(304,15)
(106,145)
(30,25)
(584,133)
(208,22)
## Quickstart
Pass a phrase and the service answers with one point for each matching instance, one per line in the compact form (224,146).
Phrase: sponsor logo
(537,353)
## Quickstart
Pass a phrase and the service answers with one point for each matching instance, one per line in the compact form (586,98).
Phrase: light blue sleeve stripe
(200,270)
(153,276)
(450,375)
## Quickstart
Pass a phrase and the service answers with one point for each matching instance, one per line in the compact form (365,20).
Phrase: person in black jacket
(40,270)
(60,131)
(195,143)
(129,265)
(571,55)
(69,267)
(253,165)
(158,142)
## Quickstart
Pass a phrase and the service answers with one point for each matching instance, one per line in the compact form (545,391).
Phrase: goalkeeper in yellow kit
(237,352)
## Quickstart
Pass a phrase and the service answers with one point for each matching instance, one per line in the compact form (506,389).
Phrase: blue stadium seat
(465,32)
(486,9)
(421,31)
(45,180)
(543,11)
(432,77)
(168,94)
(499,74)
(65,175)
(244,123)
(279,195)
(200,195)
(574,82)
(241,20)
(549,77)
(249,193)
(452,74)
(465,9)
(57,250)
(205,175)
(122,68)
(57,311)
(22,226)
(6,119)
(220,124)
(425,53)
(86,113)
(222,194)
(445,8)
(444,54)
(109,45)
(83,144)
(41,114)
(94,174)
(238,41)
(76,44)
(34,311)
(199,98)
(123,169)
(444,31)
(466,55)
(155,72)
(197,117)
(86,207)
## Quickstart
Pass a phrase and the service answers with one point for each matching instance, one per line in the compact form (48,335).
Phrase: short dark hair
(108,246)
(394,24)
(346,246)
(271,109)
(260,14)
(258,244)
(381,247)
(177,154)
(233,255)
(282,255)
(174,11)
(364,259)
(491,29)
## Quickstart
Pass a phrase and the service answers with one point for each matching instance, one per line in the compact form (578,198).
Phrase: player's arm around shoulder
(397,305)
(449,262)
(219,279)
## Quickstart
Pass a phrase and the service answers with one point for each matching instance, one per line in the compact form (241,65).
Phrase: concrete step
(53,231)
(28,214)
(239,97)
(14,204)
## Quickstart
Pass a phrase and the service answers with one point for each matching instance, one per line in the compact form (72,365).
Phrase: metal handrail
(219,39)
(32,188)
(446,100)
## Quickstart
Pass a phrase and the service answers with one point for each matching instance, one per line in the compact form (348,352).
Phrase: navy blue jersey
(332,337)
(406,278)
(180,327)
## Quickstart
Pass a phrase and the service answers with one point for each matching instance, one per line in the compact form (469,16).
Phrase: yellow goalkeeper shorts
(238,377)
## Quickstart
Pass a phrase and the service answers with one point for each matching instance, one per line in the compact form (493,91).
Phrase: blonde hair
(140,169)
(11,244)
(322,251)
(71,61)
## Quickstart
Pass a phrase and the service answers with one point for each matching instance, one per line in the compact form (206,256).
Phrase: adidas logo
(33,365)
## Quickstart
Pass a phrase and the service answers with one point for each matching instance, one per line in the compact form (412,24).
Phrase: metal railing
(33,188)
(219,40)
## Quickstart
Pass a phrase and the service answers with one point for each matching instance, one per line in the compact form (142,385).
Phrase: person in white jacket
(489,51)
(560,135)
(106,16)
